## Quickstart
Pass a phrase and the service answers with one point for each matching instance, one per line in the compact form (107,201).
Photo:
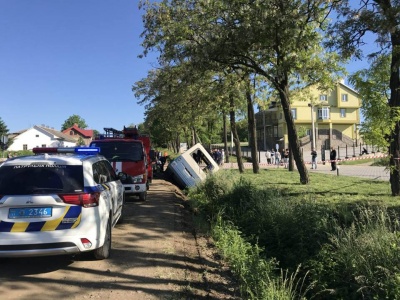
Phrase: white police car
(58,202)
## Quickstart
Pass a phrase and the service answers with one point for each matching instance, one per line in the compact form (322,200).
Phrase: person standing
(218,156)
(277,158)
(333,159)
(272,157)
(268,156)
(313,159)
(285,154)
(163,160)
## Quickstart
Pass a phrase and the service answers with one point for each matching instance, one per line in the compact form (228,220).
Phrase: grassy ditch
(336,238)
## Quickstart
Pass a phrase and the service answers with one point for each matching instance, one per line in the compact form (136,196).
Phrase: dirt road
(155,256)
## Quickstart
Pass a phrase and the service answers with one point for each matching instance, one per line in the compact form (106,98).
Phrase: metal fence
(342,153)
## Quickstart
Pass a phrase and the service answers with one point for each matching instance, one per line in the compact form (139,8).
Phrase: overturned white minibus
(192,166)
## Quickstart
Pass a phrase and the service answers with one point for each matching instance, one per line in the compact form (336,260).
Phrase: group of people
(275,157)
(161,159)
(218,155)
(332,158)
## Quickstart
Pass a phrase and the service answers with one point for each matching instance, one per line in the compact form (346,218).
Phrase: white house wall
(34,137)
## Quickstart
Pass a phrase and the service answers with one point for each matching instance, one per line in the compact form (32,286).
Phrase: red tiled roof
(88,133)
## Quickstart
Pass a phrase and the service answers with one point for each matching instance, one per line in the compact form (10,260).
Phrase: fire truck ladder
(113,133)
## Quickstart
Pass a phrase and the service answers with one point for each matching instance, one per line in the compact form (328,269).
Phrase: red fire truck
(130,154)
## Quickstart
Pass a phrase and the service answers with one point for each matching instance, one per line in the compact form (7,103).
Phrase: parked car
(59,201)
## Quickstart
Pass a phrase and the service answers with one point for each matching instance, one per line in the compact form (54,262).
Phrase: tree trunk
(225,138)
(252,131)
(291,164)
(177,143)
(194,136)
(236,136)
(187,137)
(294,144)
(394,149)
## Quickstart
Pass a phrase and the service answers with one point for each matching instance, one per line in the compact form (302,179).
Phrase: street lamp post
(312,124)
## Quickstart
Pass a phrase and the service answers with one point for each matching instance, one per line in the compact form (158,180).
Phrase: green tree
(350,32)
(96,133)
(277,39)
(74,119)
(186,102)
(3,136)
(80,141)
(372,86)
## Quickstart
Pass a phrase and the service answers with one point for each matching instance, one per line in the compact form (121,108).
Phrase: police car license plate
(30,212)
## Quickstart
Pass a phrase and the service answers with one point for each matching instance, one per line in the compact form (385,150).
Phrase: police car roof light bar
(79,150)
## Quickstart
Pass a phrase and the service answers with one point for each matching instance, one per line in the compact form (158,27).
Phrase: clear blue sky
(64,57)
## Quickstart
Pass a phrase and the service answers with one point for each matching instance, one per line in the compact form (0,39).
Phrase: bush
(292,230)
(347,251)
(361,261)
(257,277)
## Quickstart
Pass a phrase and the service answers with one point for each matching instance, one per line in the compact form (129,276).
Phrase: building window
(43,145)
(25,147)
(323,97)
(280,116)
(294,113)
(323,113)
(308,132)
(345,98)
(343,113)
(275,131)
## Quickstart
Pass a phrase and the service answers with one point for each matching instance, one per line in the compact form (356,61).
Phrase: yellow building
(334,117)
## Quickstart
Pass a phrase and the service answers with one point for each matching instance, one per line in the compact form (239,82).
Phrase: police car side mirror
(122,176)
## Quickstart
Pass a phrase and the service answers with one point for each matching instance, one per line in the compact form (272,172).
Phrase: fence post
(346,153)
(354,150)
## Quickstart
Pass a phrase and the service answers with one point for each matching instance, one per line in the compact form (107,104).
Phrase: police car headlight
(137,179)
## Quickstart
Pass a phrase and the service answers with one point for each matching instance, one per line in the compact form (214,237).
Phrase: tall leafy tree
(382,19)
(186,100)
(74,119)
(3,135)
(372,86)
(277,39)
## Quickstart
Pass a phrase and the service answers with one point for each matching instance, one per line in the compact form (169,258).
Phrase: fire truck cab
(129,154)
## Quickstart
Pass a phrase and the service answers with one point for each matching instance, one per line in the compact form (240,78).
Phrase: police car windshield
(120,151)
(40,179)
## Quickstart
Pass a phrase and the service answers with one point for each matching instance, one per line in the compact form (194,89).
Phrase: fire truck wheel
(143,196)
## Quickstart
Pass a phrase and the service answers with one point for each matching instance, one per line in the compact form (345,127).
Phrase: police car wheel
(104,251)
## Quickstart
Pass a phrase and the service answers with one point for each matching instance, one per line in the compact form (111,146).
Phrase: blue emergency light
(87,150)
(78,150)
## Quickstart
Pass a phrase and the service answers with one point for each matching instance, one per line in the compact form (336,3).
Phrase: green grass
(335,238)
(367,161)
(323,188)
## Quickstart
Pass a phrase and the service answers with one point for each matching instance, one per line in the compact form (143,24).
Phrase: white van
(192,166)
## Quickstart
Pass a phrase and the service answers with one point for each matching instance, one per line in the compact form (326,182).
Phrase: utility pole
(312,124)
